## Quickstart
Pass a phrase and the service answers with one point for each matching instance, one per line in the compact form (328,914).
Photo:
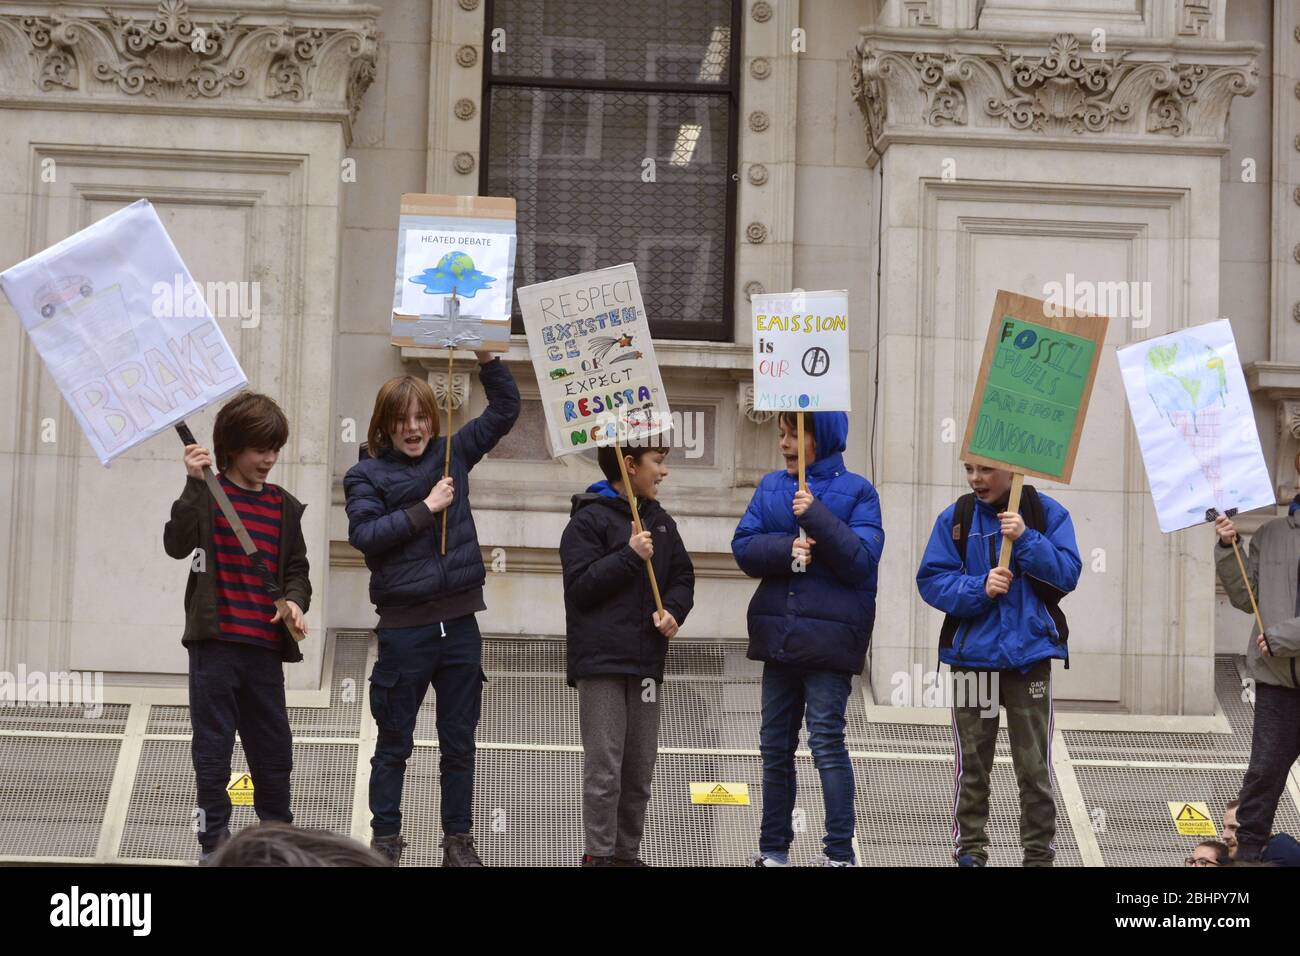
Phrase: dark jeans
(789,693)
(238,687)
(1274,746)
(410,659)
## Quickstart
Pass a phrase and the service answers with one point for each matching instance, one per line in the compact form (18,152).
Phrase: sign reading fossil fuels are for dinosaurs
(462,246)
(596,370)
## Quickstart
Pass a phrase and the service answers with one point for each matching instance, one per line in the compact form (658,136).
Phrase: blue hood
(603,488)
(830,431)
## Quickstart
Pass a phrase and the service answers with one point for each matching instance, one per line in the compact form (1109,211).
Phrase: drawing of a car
(54,294)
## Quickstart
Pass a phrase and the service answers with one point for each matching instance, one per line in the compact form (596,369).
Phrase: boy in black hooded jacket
(617,642)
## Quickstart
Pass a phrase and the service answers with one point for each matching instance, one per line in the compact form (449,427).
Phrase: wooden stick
(803,481)
(1013,504)
(636,524)
(1249,590)
(446,468)
(269,583)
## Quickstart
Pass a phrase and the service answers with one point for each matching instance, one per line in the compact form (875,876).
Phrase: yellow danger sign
(1192,818)
(720,793)
(240,789)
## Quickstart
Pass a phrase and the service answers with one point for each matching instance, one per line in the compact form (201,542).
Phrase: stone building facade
(919,153)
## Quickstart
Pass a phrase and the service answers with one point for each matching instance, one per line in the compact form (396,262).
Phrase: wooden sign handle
(1013,504)
(803,476)
(446,468)
(636,524)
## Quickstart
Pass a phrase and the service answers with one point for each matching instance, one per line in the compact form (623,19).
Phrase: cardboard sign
(123,329)
(1192,818)
(595,363)
(1190,405)
(1033,388)
(801,351)
(720,794)
(462,246)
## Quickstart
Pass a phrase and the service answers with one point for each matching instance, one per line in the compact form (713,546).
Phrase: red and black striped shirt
(244,609)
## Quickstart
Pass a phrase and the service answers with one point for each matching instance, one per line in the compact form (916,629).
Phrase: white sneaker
(761,859)
(824,860)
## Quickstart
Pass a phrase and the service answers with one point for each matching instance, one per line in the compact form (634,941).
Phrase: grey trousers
(619,721)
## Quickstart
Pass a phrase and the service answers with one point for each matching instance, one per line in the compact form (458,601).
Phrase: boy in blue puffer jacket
(810,622)
(1003,628)
(397,500)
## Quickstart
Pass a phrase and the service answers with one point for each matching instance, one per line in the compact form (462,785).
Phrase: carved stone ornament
(757,174)
(756,232)
(760,68)
(1295,252)
(758,121)
(469,5)
(1295,311)
(761,11)
(467,56)
(465,109)
(1295,195)
(464,163)
(459,388)
(753,288)
(257,56)
(1004,83)
(745,404)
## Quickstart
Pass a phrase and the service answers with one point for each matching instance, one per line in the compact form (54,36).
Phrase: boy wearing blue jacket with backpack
(810,622)
(1003,625)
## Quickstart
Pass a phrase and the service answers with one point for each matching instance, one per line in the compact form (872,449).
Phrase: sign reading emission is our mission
(801,351)
(1033,388)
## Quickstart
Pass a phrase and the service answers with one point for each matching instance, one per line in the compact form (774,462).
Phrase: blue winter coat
(820,618)
(1016,630)
(389,523)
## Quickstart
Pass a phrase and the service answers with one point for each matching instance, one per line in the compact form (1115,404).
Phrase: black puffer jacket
(389,523)
(608,603)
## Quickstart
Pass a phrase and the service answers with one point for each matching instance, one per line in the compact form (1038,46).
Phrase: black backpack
(1031,509)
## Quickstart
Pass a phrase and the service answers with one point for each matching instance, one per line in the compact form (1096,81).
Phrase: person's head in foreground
(1209,853)
(282,844)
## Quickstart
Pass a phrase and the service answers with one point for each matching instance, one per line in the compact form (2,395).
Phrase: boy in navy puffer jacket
(1003,632)
(810,621)
(397,500)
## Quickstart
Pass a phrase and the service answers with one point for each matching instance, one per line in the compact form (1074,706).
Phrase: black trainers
(390,846)
(635,861)
(589,860)
(458,850)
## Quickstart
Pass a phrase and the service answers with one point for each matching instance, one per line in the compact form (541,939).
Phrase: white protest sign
(1191,408)
(594,360)
(131,354)
(462,246)
(801,351)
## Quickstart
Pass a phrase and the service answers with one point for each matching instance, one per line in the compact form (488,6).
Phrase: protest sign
(1033,388)
(595,363)
(130,355)
(801,351)
(1192,412)
(455,272)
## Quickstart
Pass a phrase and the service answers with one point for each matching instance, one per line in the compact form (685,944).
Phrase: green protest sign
(1033,388)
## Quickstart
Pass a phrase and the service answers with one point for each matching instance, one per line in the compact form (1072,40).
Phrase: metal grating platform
(121,788)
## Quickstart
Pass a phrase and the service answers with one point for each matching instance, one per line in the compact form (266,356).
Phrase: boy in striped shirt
(233,631)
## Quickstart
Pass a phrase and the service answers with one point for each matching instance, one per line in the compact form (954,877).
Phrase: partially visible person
(1282,849)
(1271,662)
(1209,853)
(281,844)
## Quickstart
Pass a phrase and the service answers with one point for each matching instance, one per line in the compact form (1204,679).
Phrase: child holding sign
(1005,621)
(617,642)
(810,622)
(426,599)
(233,631)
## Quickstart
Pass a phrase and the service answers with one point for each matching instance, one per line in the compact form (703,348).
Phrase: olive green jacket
(1272,565)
